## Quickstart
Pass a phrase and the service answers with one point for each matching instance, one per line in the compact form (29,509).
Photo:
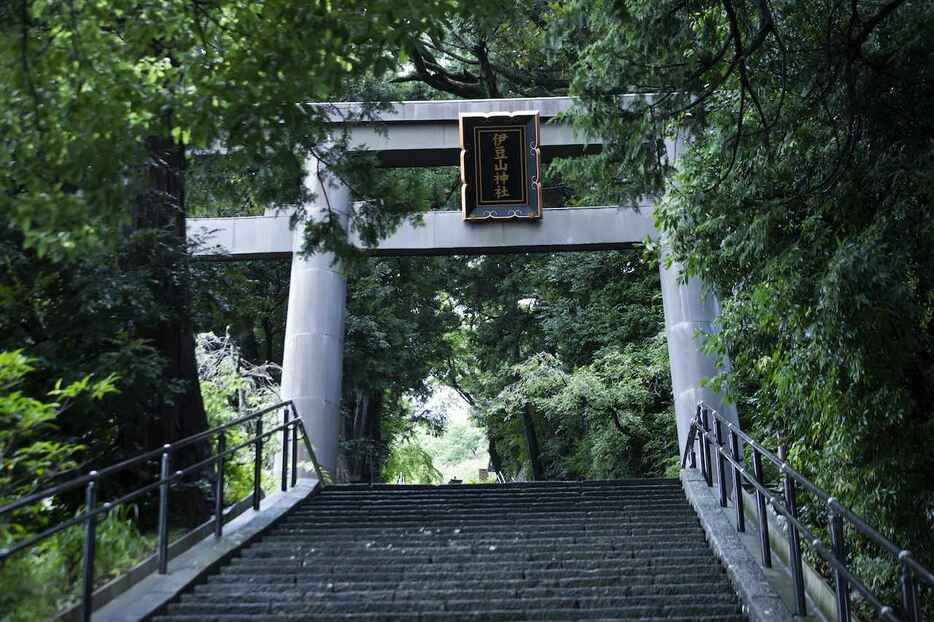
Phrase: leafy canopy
(86,83)
(804,200)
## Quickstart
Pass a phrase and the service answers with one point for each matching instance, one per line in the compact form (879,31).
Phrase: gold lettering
(500,166)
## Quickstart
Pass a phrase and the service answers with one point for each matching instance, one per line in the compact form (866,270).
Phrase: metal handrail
(290,428)
(84,479)
(700,433)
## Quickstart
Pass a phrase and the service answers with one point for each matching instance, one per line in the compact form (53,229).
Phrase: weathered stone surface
(761,601)
(154,592)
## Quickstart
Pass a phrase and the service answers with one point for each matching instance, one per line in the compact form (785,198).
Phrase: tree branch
(881,15)
(436,77)
(489,77)
(765,26)
(446,52)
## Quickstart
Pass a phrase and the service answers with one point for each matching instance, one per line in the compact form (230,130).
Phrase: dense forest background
(804,202)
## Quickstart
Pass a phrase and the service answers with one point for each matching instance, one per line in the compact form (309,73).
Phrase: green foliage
(460,442)
(232,387)
(805,201)
(87,85)
(577,338)
(412,462)
(75,317)
(29,458)
(394,342)
(605,420)
(56,561)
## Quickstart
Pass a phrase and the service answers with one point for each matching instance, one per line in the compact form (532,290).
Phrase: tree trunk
(158,244)
(374,458)
(496,463)
(364,452)
(249,345)
(267,338)
(528,424)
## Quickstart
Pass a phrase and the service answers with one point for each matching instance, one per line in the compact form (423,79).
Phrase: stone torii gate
(419,134)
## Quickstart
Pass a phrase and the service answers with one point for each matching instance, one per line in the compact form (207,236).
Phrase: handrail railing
(912,573)
(291,428)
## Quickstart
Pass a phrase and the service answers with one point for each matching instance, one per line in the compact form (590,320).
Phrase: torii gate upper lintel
(417,134)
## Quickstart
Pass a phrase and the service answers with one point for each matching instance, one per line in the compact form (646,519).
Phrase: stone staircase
(615,550)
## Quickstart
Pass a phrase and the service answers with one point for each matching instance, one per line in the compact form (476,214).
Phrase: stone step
(452,591)
(475,496)
(274,547)
(300,535)
(630,550)
(634,574)
(530,496)
(530,521)
(431,532)
(444,616)
(425,510)
(478,499)
(573,503)
(352,567)
(639,606)
(492,508)
(509,488)
(485,499)
(401,557)
(669,522)
(446,599)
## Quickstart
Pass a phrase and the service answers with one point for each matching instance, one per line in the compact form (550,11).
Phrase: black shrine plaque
(500,166)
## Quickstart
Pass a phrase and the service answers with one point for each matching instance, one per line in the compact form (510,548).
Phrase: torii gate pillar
(314,328)
(690,312)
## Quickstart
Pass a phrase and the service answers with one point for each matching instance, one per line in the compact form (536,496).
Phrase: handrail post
(294,447)
(794,538)
(909,590)
(706,444)
(839,551)
(285,449)
(762,510)
(90,541)
(696,424)
(721,480)
(163,551)
(258,464)
(219,486)
(737,481)
(311,454)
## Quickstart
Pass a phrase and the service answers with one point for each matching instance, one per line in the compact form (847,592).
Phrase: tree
(105,102)
(100,96)
(805,201)
(28,454)
(395,328)
(76,316)
(492,53)
(540,336)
